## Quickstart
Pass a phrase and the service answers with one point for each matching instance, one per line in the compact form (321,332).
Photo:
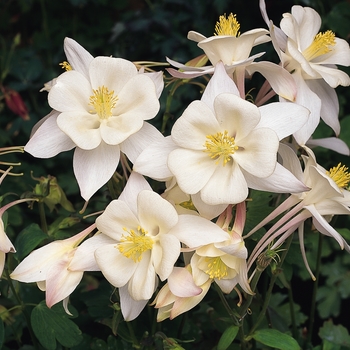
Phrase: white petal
(77,56)
(156,214)
(116,216)
(135,184)
(226,186)
(195,231)
(70,93)
(130,307)
(111,72)
(116,268)
(332,143)
(192,169)
(94,168)
(49,140)
(283,117)
(136,143)
(84,257)
(153,159)
(219,83)
(181,283)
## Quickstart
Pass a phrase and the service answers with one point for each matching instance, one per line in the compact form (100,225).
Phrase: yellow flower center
(220,146)
(103,101)
(227,26)
(65,65)
(339,175)
(135,243)
(216,268)
(321,45)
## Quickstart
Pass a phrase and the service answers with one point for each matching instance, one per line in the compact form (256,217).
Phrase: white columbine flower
(147,232)
(98,109)
(223,141)
(233,49)
(311,56)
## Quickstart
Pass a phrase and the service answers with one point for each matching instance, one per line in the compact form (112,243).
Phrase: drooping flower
(311,56)
(224,142)
(48,266)
(99,108)
(327,197)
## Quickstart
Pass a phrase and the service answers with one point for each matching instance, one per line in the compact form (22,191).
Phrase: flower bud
(15,103)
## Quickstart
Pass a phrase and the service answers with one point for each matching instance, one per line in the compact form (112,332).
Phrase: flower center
(65,65)
(227,26)
(135,243)
(339,175)
(220,146)
(103,101)
(216,268)
(321,45)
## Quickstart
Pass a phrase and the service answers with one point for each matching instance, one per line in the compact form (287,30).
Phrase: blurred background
(31,49)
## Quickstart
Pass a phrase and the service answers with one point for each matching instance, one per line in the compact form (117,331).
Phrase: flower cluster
(170,248)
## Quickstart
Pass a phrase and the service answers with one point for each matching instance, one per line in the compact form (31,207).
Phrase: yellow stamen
(321,45)
(135,243)
(339,175)
(65,65)
(216,268)
(103,101)
(227,26)
(220,146)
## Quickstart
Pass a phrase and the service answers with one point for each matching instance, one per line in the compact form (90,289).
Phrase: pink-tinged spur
(224,142)
(99,109)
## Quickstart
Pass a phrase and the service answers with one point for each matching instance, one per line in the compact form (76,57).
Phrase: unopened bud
(15,103)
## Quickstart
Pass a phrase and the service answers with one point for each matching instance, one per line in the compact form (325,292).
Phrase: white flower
(233,49)
(311,56)
(147,232)
(100,109)
(48,266)
(224,141)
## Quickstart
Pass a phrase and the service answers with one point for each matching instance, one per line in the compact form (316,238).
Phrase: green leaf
(275,339)
(51,325)
(28,239)
(337,335)
(227,337)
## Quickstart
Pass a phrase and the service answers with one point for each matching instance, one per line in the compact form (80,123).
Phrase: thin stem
(314,292)
(233,314)
(23,307)
(271,285)
(292,312)
(135,342)
(42,217)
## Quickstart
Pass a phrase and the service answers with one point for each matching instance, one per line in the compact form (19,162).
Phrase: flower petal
(94,168)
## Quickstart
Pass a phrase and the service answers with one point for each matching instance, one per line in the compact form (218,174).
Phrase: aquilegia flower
(224,141)
(311,56)
(99,111)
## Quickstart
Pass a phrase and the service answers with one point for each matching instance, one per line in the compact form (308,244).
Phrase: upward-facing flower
(147,232)
(233,49)
(224,142)
(100,111)
(311,56)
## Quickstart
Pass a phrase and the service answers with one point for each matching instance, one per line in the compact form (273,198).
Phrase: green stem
(42,217)
(135,342)
(23,307)
(271,285)
(233,314)
(292,313)
(314,292)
